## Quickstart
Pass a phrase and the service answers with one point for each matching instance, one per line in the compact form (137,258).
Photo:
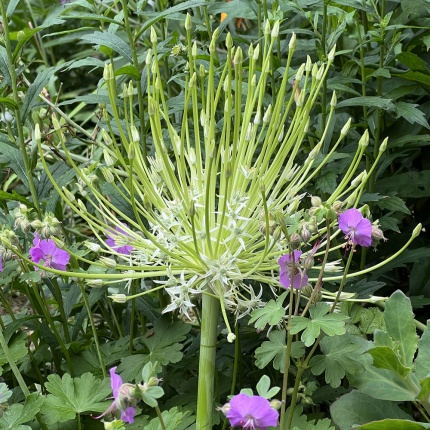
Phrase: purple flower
(300,278)
(122,398)
(1,263)
(251,412)
(118,242)
(357,228)
(47,252)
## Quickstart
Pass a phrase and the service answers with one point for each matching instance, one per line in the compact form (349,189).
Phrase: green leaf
(393,203)
(399,321)
(358,408)
(422,362)
(4,67)
(5,393)
(385,358)
(32,95)
(18,414)
(164,347)
(270,315)
(341,356)
(369,101)
(12,156)
(16,197)
(331,324)
(72,396)
(173,420)
(327,182)
(388,424)
(263,388)
(424,394)
(411,60)
(411,113)
(275,349)
(383,384)
(112,41)
(17,349)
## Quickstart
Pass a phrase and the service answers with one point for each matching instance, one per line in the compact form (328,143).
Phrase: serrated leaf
(369,101)
(17,350)
(341,356)
(18,414)
(411,113)
(385,358)
(164,347)
(270,315)
(327,182)
(331,324)
(275,349)
(4,67)
(358,408)
(32,95)
(409,185)
(112,41)
(399,320)
(173,420)
(12,157)
(72,396)
(371,319)
(393,203)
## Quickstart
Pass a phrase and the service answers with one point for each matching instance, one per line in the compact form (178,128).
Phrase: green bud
(37,134)
(331,54)
(333,101)
(238,57)
(275,30)
(153,36)
(188,22)
(108,73)
(108,262)
(229,41)
(148,59)
(267,28)
(292,43)
(383,146)
(364,141)
(417,230)
(346,127)
(256,52)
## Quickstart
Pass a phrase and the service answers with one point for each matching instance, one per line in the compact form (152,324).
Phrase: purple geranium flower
(300,278)
(1,263)
(357,228)
(251,412)
(122,398)
(118,242)
(47,252)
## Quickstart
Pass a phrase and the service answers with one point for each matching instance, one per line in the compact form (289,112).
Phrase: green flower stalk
(209,204)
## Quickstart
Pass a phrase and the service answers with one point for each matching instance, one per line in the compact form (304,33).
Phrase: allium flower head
(300,278)
(357,228)
(122,399)
(251,412)
(117,241)
(46,251)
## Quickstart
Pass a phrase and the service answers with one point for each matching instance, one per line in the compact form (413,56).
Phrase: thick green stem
(208,341)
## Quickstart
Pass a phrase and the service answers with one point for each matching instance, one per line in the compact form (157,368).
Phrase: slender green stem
(160,417)
(208,342)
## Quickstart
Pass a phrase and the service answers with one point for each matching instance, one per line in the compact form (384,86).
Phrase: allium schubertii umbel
(217,200)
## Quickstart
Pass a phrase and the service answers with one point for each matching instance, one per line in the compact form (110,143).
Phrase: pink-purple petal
(115,382)
(251,412)
(128,415)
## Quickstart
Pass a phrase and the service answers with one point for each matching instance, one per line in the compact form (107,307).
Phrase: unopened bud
(229,41)
(383,146)
(295,241)
(346,127)
(188,23)
(108,73)
(275,30)
(108,262)
(256,52)
(364,140)
(292,43)
(94,283)
(231,337)
(267,114)
(267,28)
(238,56)
(37,134)
(308,262)
(333,101)
(95,247)
(316,201)
(153,36)
(331,54)
(320,73)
